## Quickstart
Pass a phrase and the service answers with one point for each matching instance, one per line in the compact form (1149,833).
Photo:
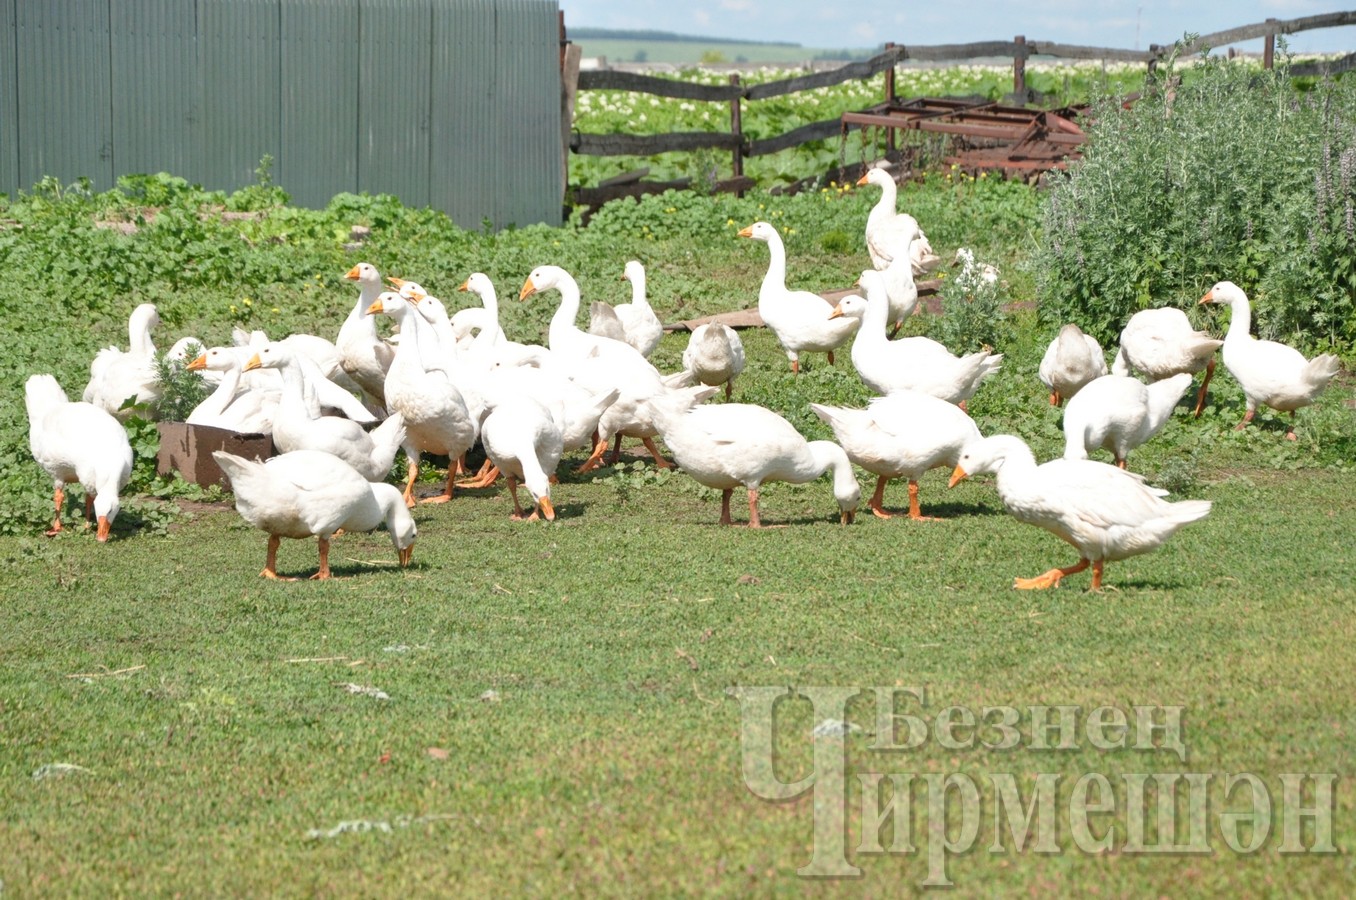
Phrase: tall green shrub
(1222,170)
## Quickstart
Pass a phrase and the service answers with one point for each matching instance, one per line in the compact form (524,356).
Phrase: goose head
(217,359)
(544,278)
(272,355)
(634,272)
(1224,292)
(364,273)
(760,231)
(988,455)
(390,303)
(478,282)
(876,176)
(851,306)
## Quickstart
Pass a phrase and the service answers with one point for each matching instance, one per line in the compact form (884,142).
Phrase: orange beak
(528,289)
(416,296)
(957,476)
(104,527)
(837,311)
(861,181)
(465,285)
(1209,296)
(352,274)
(848,516)
(254,363)
(397,283)
(198,364)
(405,555)
(547,510)
(746,232)
(376,308)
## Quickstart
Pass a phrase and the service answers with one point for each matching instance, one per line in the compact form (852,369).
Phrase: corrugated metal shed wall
(9,96)
(449,103)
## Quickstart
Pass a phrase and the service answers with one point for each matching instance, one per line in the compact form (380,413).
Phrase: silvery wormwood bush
(1222,170)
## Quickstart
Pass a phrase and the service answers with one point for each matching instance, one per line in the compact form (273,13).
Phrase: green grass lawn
(557,717)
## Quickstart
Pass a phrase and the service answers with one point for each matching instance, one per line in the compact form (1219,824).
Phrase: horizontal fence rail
(1019,50)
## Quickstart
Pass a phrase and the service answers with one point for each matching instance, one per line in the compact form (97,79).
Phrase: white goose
(245,410)
(901,436)
(600,365)
(604,321)
(1160,343)
(892,235)
(1106,513)
(736,444)
(799,319)
(1071,360)
(714,355)
(296,428)
(491,344)
(643,329)
(77,442)
(116,376)
(525,442)
(362,353)
(436,418)
(1270,373)
(1119,413)
(311,493)
(913,363)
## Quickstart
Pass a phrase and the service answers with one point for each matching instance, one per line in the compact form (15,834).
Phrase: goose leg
(271,563)
(915,512)
(830,357)
(411,474)
(478,479)
(1051,578)
(59,500)
(795,366)
(595,458)
(1247,417)
(1200,396)
(754,521)
(615,456)
(324,572)
(729,389)
(89,502)
(659,459)
(446,495)
(513,492)
(725,506)
(1097,575)
(877,500)
(1290,432)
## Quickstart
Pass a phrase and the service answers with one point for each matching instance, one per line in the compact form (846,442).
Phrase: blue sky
(817,23)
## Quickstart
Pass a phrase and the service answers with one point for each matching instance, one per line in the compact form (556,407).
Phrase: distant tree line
(623,35)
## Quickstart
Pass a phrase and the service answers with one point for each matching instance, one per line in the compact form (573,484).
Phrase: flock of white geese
(443,383)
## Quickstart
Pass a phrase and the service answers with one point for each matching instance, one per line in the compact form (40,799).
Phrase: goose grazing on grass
(436,417)
(1106,513)
(525,442)
(799,319)
(362,353)
(892,236)
(1071,361)
(1119,413)
(116,376)
(736,444)
(1270,373)
(296,428)
(901,436)
(309,493)
(913,363)
(1160,343)
(714,355)
(77,442)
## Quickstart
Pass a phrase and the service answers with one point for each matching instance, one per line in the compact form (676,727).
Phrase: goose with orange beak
(1105,513)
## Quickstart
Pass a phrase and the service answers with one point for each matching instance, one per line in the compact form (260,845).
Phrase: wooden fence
(1019,49)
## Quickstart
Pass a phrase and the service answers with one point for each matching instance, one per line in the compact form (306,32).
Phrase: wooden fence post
(737,129)
(1269,47)
(1019,68)
(890,141)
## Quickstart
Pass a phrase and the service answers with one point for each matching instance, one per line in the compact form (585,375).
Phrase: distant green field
(696,51)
